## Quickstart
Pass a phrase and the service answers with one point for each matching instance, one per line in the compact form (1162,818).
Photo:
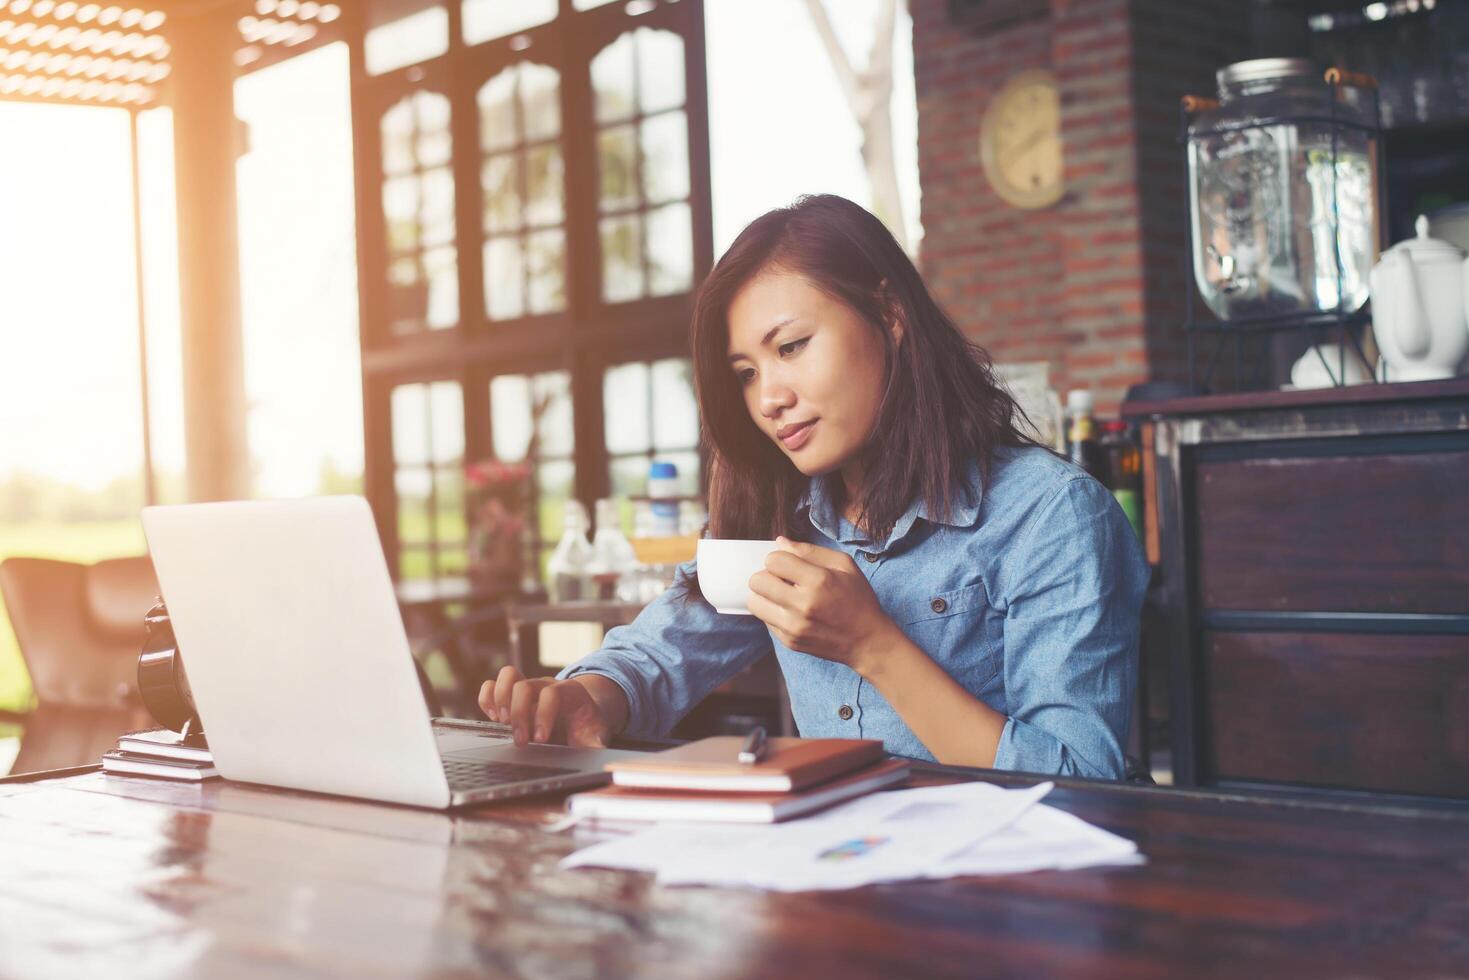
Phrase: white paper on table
(880,837)
(1044,838)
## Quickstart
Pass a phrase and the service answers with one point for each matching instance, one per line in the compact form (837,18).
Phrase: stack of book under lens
(161,752)
(705,781)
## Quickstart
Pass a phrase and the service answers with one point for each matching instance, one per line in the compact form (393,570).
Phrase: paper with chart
(934,831)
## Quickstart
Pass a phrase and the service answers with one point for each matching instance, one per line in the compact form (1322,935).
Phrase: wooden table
(134,877)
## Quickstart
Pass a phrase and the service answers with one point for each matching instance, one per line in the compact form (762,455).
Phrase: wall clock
(1020,140)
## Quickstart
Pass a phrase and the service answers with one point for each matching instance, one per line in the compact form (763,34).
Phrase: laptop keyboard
(475,775)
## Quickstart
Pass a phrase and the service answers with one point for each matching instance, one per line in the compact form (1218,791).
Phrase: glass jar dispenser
(1283,190)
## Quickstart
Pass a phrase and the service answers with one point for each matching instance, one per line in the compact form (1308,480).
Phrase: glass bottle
(569,569)
(1123,465)
(1081,436)
(1281,197)
(612,553)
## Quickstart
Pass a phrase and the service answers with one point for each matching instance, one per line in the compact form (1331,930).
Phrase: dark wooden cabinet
(1315,548)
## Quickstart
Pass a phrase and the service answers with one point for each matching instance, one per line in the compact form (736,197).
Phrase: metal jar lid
(1261,69)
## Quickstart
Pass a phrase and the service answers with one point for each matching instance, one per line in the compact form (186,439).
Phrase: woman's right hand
(543,709)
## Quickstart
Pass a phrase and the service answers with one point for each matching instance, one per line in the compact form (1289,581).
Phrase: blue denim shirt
(1042,582)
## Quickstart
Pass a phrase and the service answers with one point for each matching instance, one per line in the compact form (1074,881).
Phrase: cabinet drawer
(1386,713)
(1355,532)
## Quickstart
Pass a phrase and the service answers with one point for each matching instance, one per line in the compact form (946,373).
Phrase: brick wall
(1093,284)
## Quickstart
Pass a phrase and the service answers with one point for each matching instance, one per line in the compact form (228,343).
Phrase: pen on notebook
(754,746)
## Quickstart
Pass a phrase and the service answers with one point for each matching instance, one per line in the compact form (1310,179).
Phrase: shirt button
(845,712)
(869,556)
(938,605)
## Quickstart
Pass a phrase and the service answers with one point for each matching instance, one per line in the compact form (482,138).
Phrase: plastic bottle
(612,554)
(663,497)
(570,565)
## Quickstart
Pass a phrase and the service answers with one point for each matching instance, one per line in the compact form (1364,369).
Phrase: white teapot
(1420,292)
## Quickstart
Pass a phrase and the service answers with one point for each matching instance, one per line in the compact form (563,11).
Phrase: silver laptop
(287,621)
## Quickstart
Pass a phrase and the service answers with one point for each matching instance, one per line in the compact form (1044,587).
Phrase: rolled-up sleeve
(675,653)
(1074,595)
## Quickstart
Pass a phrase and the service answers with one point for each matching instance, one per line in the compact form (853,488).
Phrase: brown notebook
(625,803)
(712,764)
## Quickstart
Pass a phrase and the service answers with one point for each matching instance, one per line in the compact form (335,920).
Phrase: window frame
(589,336)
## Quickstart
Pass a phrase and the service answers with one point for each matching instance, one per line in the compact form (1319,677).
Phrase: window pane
(414,562)
(400,208)
(397,134)
(71,420)
(622,267)
(299,325)
(410,425)
(432,110)
(404,271)
(675,409)
(510,416)
(670,250)
(504,279)
(497,130)
(617,159)
(612,79)
(501,180)
(553,394)
(438,207)
(413,505)
(546,252)
(446,412)
(630,476)
(443,287)
(408,297)
(554,483)
(660,70)
(433,147)
(544,185)
(487,19)
(407,41)
(454,558)
(449,526)
(666,158)
(625,409)
(540,101)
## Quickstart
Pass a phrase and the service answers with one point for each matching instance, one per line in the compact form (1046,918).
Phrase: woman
(942,582)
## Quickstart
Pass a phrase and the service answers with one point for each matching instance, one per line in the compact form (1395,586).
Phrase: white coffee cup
(1320,365)
(725,569)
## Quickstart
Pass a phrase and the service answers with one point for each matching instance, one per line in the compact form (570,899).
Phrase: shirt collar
(820,502)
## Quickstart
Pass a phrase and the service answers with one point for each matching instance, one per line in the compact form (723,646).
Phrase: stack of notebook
(705,781)
(161,752)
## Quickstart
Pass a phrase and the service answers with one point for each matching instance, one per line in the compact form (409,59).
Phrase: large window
(428,479)
(418,207)
(524,192)
(564,146)
(643,155)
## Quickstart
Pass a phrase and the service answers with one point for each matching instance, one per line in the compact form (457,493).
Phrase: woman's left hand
(818,602)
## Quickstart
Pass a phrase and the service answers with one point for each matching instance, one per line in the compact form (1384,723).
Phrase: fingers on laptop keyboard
(487,701)
(548,708)
(500,692)
(523,698)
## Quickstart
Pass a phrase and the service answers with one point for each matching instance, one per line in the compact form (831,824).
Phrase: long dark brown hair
(941,406)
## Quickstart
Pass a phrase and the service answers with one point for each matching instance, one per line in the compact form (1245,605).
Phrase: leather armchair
(80,628)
